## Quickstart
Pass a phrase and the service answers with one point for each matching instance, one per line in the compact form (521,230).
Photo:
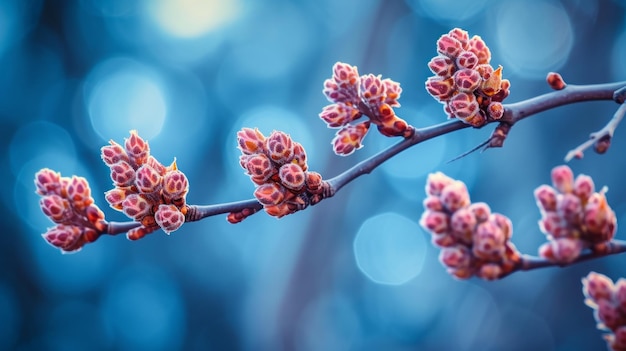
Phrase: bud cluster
(464,82)
(473,240)
(145,190)
(573,216)
(68,203)
(354,96)
(277,165)
(608,301)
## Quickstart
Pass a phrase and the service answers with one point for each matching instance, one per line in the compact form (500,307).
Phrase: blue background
(352,273)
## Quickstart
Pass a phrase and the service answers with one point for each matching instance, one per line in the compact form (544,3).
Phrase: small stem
(115,228)
(606,132)
(530,263)
(198,212)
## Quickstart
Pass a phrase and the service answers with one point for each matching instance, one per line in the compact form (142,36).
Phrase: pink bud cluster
(354,96)
(608,301)
(145,190)
(464,82)
(68,203)
(473,240)
(573,216)
(277,165)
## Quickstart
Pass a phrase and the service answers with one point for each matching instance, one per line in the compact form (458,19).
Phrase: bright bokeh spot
(122,94)
(389,249)
(192,18)
(533,40)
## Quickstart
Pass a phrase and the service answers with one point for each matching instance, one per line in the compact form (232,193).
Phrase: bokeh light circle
(122,94)
(389,249)
(534,40)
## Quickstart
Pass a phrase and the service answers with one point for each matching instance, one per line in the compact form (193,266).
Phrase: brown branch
(529,263)
(513,113)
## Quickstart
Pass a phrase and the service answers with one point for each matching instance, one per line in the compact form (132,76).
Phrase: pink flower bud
(618,341)
(460,35)
(280,147)
(485,70)
(491,86)
(65,237)
(443,240)
(555,81)
(457,256)
(504,223)
(495,110)
(372,89)
(148,180)
(449,46)
(464,105)
(440,88)
(48,182)
(489,271)
(442,66)
(314,182)
(546,198)
(113,153)
(569,208)
(435,221)
(260,167)
(136,206)
(122,174)
(339,114)
(115,197)
(137,149)
(343,86)
(291,176)
(461,273)
(392,92)
(388,123)
(350,138)
(551,223)
(505,90)
(156,165)
(565,250)
(433,203)
(583,187)
(563,179)
(481,211)
(436,182)
(478,47)
(250,141)
(609,315)
(488,242)
(140,232)
(56,208)
(619,293)
(79,193)
(599,219)
(467,80)
(597,287)
(463,222)
(455,196)
(175,185)
(169,218)
(279,210)
(94,214)
(467,59)
(299,156)
(270,194)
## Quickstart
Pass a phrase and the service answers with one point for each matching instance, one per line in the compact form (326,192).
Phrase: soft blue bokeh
(355,272)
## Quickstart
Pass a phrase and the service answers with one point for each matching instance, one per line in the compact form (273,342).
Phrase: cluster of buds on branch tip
(574,216)
(464,81)
(473,240)
(277,165)
(608,301)
(68,203)
(145,190)
(354,96)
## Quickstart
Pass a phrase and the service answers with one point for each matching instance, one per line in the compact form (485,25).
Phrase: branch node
(619,95)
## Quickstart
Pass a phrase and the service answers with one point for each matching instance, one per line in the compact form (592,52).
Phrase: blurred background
(355,272)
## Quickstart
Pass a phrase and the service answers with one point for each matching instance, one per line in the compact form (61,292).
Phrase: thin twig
(604,134)
(530,263)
